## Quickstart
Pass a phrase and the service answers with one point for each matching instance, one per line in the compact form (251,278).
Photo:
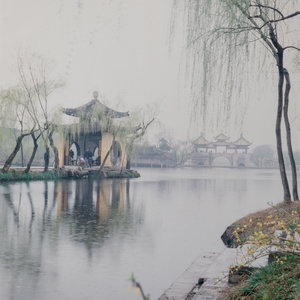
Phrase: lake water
(82,239)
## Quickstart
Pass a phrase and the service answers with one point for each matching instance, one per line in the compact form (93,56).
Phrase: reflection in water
(81,239)
(83,211)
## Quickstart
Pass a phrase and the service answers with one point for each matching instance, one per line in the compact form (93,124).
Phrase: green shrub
(278,280)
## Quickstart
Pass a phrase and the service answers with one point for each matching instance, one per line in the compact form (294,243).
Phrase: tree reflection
(20,251)
(37,217)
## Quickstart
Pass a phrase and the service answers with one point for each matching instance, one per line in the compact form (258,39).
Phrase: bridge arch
(221,161)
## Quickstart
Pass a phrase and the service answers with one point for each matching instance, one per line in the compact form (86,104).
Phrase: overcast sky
(121,49)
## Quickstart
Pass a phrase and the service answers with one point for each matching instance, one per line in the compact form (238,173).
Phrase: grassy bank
(276,281)
(15,175)
(123,174)
(274,229)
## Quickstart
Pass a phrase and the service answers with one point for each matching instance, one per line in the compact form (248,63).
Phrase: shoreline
(211,275)
(75,172)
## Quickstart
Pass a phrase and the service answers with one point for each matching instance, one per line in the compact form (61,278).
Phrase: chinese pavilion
(90,134)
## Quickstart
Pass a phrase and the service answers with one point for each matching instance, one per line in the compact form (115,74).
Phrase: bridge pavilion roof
(242,142)
(221,137)
(201,141)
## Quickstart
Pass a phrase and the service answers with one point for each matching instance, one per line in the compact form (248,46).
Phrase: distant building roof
(164,145)
(222,140)
(242,142)
(94,107)
(221,137)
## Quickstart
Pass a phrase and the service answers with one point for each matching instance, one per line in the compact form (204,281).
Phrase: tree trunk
(55,150)
(22,155)
(13,154)
(46,167)
(284,180)
(129,151)
(35,147)
(288,134)
(128,162)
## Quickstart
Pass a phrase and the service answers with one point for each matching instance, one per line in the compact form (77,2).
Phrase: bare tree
(20,118)
(38,88)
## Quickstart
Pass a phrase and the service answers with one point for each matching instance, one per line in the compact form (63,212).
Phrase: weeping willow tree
(221,37)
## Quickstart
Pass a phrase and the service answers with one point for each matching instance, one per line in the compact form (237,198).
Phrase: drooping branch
(291,47)
(258,28)
(259,5)
(287,17)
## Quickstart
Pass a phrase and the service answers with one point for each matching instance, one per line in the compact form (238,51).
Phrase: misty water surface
(82,239)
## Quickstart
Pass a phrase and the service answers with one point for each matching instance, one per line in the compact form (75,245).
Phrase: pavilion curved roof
(94,107)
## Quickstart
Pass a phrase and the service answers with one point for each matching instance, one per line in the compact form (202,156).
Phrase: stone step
(216,277)
(211,270)
(217,274)
(186,282)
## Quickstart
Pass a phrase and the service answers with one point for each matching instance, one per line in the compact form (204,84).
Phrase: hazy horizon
(122,50)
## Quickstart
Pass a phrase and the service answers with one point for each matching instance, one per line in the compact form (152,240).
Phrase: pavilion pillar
(67,150)
(106,143)
(61,150)
(124,155)
(100,150)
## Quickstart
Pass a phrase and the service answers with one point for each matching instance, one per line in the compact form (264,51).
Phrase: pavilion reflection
(92,209)
(91,199)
